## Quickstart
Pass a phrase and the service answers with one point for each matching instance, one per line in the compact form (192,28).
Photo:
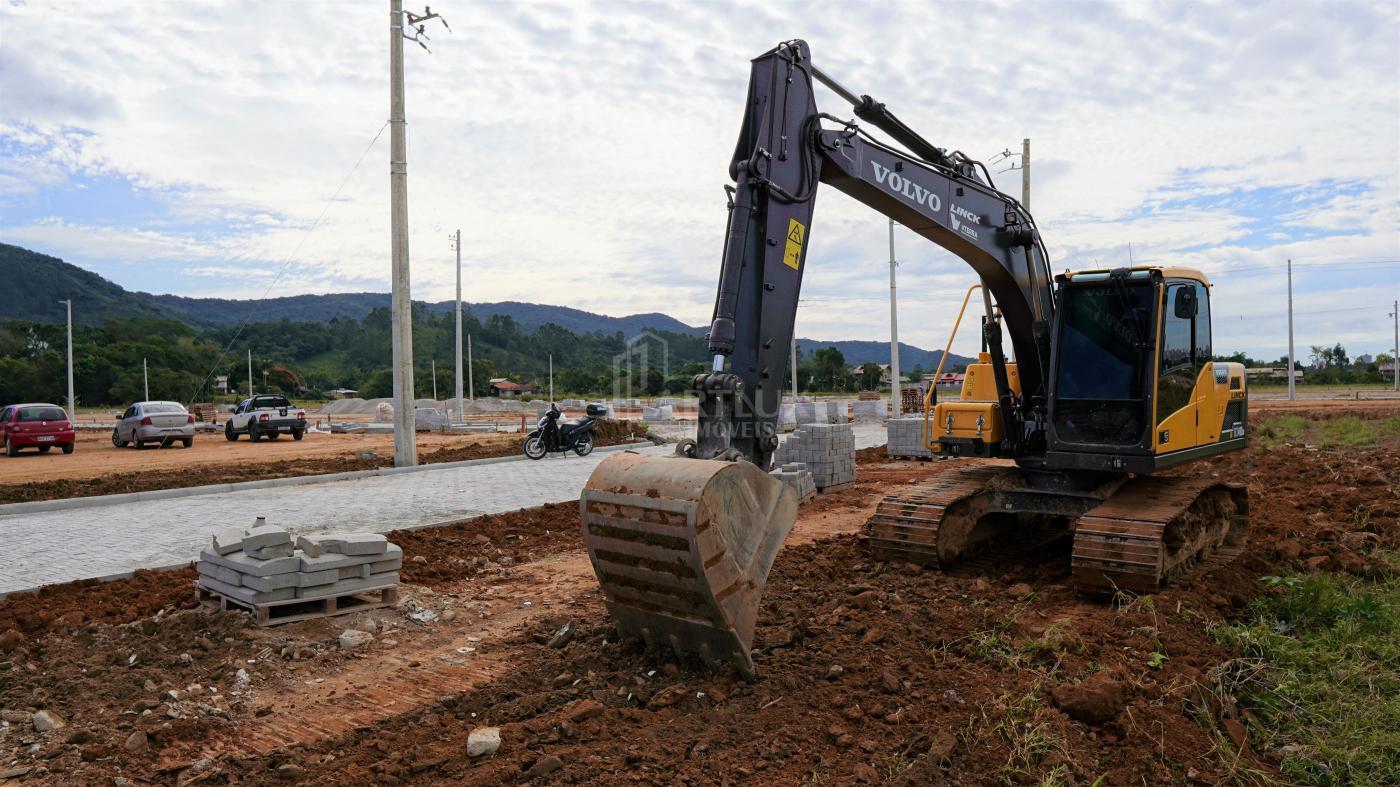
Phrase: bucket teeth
(682,549)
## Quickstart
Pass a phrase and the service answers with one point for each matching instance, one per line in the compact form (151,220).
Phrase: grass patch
(1347,432)
(1320,670)
(1390,427)
(1280,429)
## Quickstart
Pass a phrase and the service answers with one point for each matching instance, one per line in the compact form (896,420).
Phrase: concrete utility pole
(894,336)
(402,26)
(1394,352)
(471,385)
(551,378)
(405,439)
(146,379)
(1026,174)
(794,366)
(1290,331)
(435,380)
(72,405)
(457,244)
(250,372)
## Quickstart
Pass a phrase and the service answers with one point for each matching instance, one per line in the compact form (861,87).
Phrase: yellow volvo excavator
(1113,382)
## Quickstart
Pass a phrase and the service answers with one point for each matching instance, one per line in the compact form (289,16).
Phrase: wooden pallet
(913,457)
(275,613)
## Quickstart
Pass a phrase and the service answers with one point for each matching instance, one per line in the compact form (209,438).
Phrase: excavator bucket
(682,548)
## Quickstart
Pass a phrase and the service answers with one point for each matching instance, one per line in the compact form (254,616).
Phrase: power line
(290,259)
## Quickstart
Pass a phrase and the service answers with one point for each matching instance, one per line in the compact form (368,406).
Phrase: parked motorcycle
(576,434)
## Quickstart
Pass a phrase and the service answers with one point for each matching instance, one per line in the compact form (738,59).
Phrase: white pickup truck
(265,416)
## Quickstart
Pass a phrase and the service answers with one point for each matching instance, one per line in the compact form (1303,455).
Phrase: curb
(39,506)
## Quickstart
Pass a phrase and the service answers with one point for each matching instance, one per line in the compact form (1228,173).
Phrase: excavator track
(906,524)
(1155,531)
(1134,535)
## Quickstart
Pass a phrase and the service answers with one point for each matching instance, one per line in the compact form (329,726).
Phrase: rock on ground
(1097,699)
(46,720)
(351,639)
(483,741)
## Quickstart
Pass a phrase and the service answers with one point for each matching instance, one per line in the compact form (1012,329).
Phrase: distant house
(221,383)
(343,393)
(509,389)
(857,371)
(948,380)
(1272,373)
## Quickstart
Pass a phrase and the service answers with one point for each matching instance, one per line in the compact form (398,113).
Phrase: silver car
(154,422)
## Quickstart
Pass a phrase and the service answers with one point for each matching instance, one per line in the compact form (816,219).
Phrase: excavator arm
(784,151)
(682,545)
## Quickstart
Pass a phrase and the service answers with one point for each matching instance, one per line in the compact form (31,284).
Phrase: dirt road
(95,455)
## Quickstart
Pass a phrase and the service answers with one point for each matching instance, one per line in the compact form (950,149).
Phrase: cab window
(1176,371)
(1202,327)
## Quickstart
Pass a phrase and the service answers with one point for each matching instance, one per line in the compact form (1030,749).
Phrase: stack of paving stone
(827,451)
(797,476)
(905,437)
(262,565)
(662,413)
(869,410)
(820,412)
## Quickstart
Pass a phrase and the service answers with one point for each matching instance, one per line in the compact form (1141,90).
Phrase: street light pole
(457,243)
(146,379)
(895,404)
(72,405)
(1290,331)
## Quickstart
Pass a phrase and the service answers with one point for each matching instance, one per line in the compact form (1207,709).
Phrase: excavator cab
(1136,389)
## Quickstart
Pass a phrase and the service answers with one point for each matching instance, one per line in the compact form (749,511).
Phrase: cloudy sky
(194,147)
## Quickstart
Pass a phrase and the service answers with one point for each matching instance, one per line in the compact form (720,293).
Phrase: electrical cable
(289,260)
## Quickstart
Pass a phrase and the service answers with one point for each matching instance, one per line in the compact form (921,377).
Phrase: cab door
(1178,370)
(1213,381)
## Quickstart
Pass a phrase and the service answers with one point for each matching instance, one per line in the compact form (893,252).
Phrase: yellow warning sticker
(793,253)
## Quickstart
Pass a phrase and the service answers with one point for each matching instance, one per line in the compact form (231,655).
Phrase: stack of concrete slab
(820,412)
(797,476)
(905,437)
(430,419)
(828,451)
(263,565)
(787,417)
(869,410)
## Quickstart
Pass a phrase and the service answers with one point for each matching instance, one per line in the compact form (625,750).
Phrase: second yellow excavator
(1113,382)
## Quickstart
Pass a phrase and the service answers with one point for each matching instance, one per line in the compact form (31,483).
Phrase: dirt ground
(868,672)
(96,467)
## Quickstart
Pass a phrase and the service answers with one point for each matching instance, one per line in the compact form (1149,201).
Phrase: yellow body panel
(976,415)
(980,384)
(967,420)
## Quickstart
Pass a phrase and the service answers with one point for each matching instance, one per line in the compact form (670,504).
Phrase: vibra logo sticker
(969,220)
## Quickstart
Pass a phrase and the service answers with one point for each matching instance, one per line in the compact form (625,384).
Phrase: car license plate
(45,438)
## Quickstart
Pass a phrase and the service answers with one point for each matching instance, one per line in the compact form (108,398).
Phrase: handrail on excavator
(933,389)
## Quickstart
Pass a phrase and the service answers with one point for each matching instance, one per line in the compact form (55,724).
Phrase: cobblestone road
(60,546)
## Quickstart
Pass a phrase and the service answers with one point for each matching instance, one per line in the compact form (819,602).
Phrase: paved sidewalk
(60,546)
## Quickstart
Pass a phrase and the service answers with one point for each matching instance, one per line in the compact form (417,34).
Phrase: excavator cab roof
(1166,271)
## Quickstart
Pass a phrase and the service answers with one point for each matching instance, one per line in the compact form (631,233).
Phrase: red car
(40,426)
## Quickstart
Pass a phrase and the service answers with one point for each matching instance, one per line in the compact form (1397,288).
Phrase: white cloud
(581,147)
